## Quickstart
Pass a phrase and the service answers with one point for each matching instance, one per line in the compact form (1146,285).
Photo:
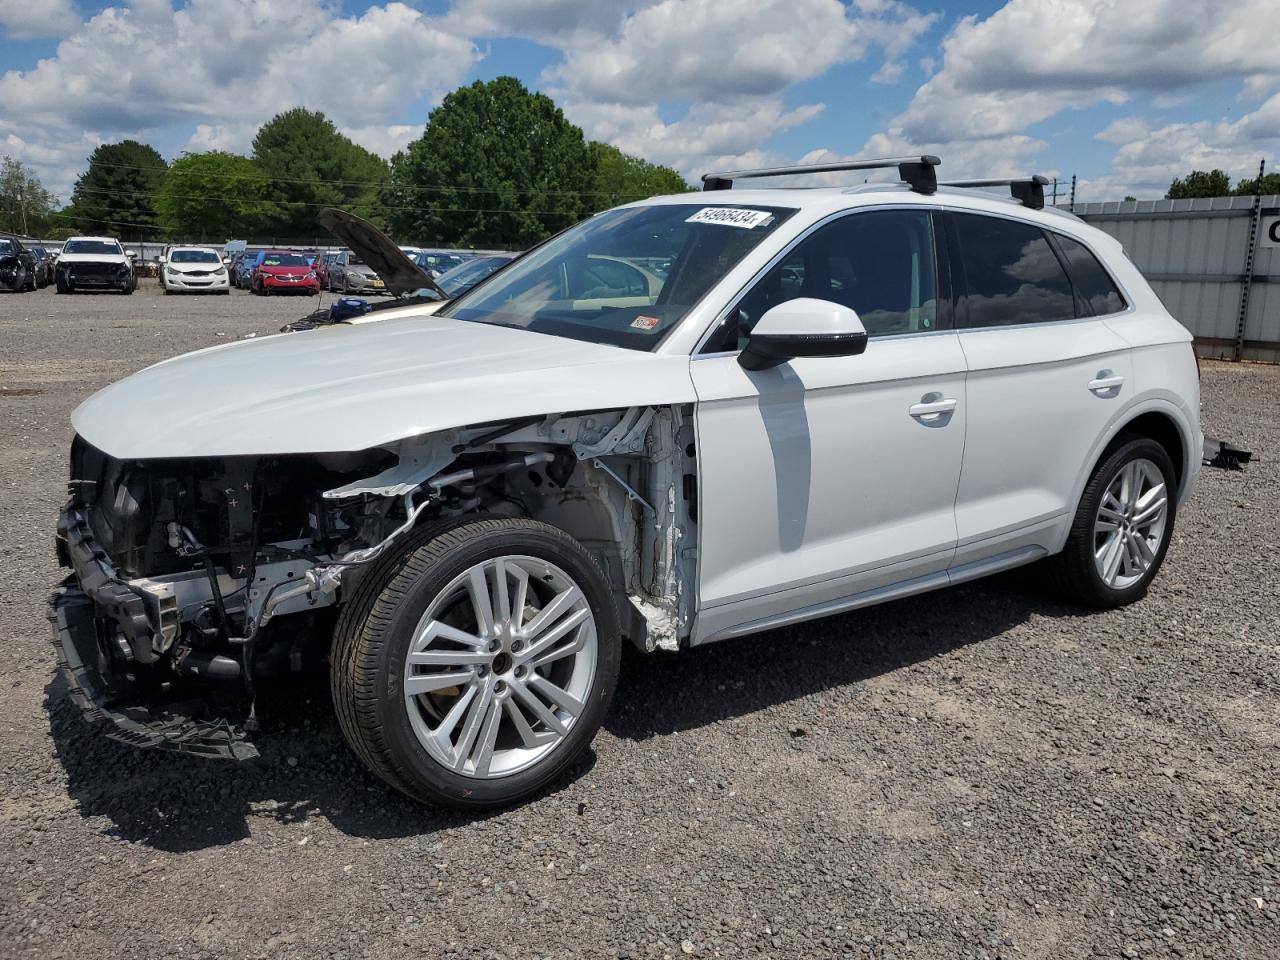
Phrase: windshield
(463,277)
(91,246)
(624,277)
(355,261)
(194,256)
(285,260)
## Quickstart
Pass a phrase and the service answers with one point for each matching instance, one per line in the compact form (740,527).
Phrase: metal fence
(1215,262)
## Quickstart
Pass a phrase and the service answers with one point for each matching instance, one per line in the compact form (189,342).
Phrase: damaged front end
(197,582)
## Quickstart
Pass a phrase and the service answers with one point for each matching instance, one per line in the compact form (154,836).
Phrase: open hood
(398,272)
(350,388)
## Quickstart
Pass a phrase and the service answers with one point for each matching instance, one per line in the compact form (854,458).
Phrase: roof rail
(1029,191)
(916,171)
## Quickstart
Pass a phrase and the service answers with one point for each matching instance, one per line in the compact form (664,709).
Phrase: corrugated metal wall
(1194,253)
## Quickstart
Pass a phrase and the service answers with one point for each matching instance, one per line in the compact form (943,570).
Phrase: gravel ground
(984,772)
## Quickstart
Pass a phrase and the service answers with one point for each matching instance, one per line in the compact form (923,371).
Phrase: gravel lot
(978,773)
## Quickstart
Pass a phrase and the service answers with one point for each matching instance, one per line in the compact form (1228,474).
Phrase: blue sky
(1125,94)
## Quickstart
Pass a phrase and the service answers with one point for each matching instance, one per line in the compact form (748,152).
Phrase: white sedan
(193,270)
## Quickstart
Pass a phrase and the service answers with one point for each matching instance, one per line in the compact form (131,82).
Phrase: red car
(284,271)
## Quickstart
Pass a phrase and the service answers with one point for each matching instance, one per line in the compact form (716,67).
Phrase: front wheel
(1122,526)
(473,667)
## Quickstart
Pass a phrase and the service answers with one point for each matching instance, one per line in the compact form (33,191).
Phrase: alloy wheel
(1130,524)
(500,666)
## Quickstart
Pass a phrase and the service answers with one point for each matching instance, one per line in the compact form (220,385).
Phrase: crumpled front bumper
(99,624)
(175,727)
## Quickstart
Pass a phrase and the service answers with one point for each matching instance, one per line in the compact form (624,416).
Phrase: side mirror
(803,327)
(161,259)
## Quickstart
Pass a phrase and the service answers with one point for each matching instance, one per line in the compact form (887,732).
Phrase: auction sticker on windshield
(731,217)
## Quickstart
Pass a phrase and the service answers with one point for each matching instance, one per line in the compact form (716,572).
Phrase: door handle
(1104,381)
(932,410)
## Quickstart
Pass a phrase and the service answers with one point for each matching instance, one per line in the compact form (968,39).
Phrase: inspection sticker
(731,217)
(645,323)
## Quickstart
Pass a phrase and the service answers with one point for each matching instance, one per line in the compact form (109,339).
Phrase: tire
(390,730)
(61,285)
(1076,569)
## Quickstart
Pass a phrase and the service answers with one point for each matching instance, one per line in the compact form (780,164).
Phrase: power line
(362,183)
(155,194)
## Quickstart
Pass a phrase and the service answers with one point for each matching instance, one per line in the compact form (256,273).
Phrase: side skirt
(894,591)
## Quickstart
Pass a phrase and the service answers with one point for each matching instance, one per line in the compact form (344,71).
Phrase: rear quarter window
(1092,282)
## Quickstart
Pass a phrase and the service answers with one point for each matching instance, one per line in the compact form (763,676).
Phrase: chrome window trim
(782,254)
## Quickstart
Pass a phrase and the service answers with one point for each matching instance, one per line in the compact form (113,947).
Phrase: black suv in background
(17,265)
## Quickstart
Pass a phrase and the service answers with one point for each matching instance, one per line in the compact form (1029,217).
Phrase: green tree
(1199,183)
(618,177)
(26,207)
(214,196)
(496,164)
(117,194)
(311,165)
(1270,186)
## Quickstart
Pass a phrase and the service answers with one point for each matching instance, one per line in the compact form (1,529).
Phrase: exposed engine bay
(210,576)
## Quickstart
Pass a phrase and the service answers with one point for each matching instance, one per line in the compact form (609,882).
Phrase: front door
(828,477)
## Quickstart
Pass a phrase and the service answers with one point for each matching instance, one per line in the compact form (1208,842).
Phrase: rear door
(1046,377)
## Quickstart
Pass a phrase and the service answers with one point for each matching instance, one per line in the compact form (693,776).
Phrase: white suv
(681,421)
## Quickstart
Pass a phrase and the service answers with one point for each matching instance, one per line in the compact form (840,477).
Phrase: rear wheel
(471,669)
(1122,526)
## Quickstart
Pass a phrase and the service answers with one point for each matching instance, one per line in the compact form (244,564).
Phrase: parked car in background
(248,260)
(349,273)
(17,264)
(454,283)
(193,270)
(94,263)
(438,263)
(323,264)
(284,271)
(43,264)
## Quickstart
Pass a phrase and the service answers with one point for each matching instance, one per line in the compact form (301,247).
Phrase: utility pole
(1073,193)
(22,207)
(1255,217)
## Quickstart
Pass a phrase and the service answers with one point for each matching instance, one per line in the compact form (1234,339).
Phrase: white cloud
(57,162)
(705,137)
(384,140)
(723,50)
(23,20)
(1033,59)
(557,23)
(221,67)
(1148,158)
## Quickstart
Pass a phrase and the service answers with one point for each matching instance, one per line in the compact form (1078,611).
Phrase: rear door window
(1011,273)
